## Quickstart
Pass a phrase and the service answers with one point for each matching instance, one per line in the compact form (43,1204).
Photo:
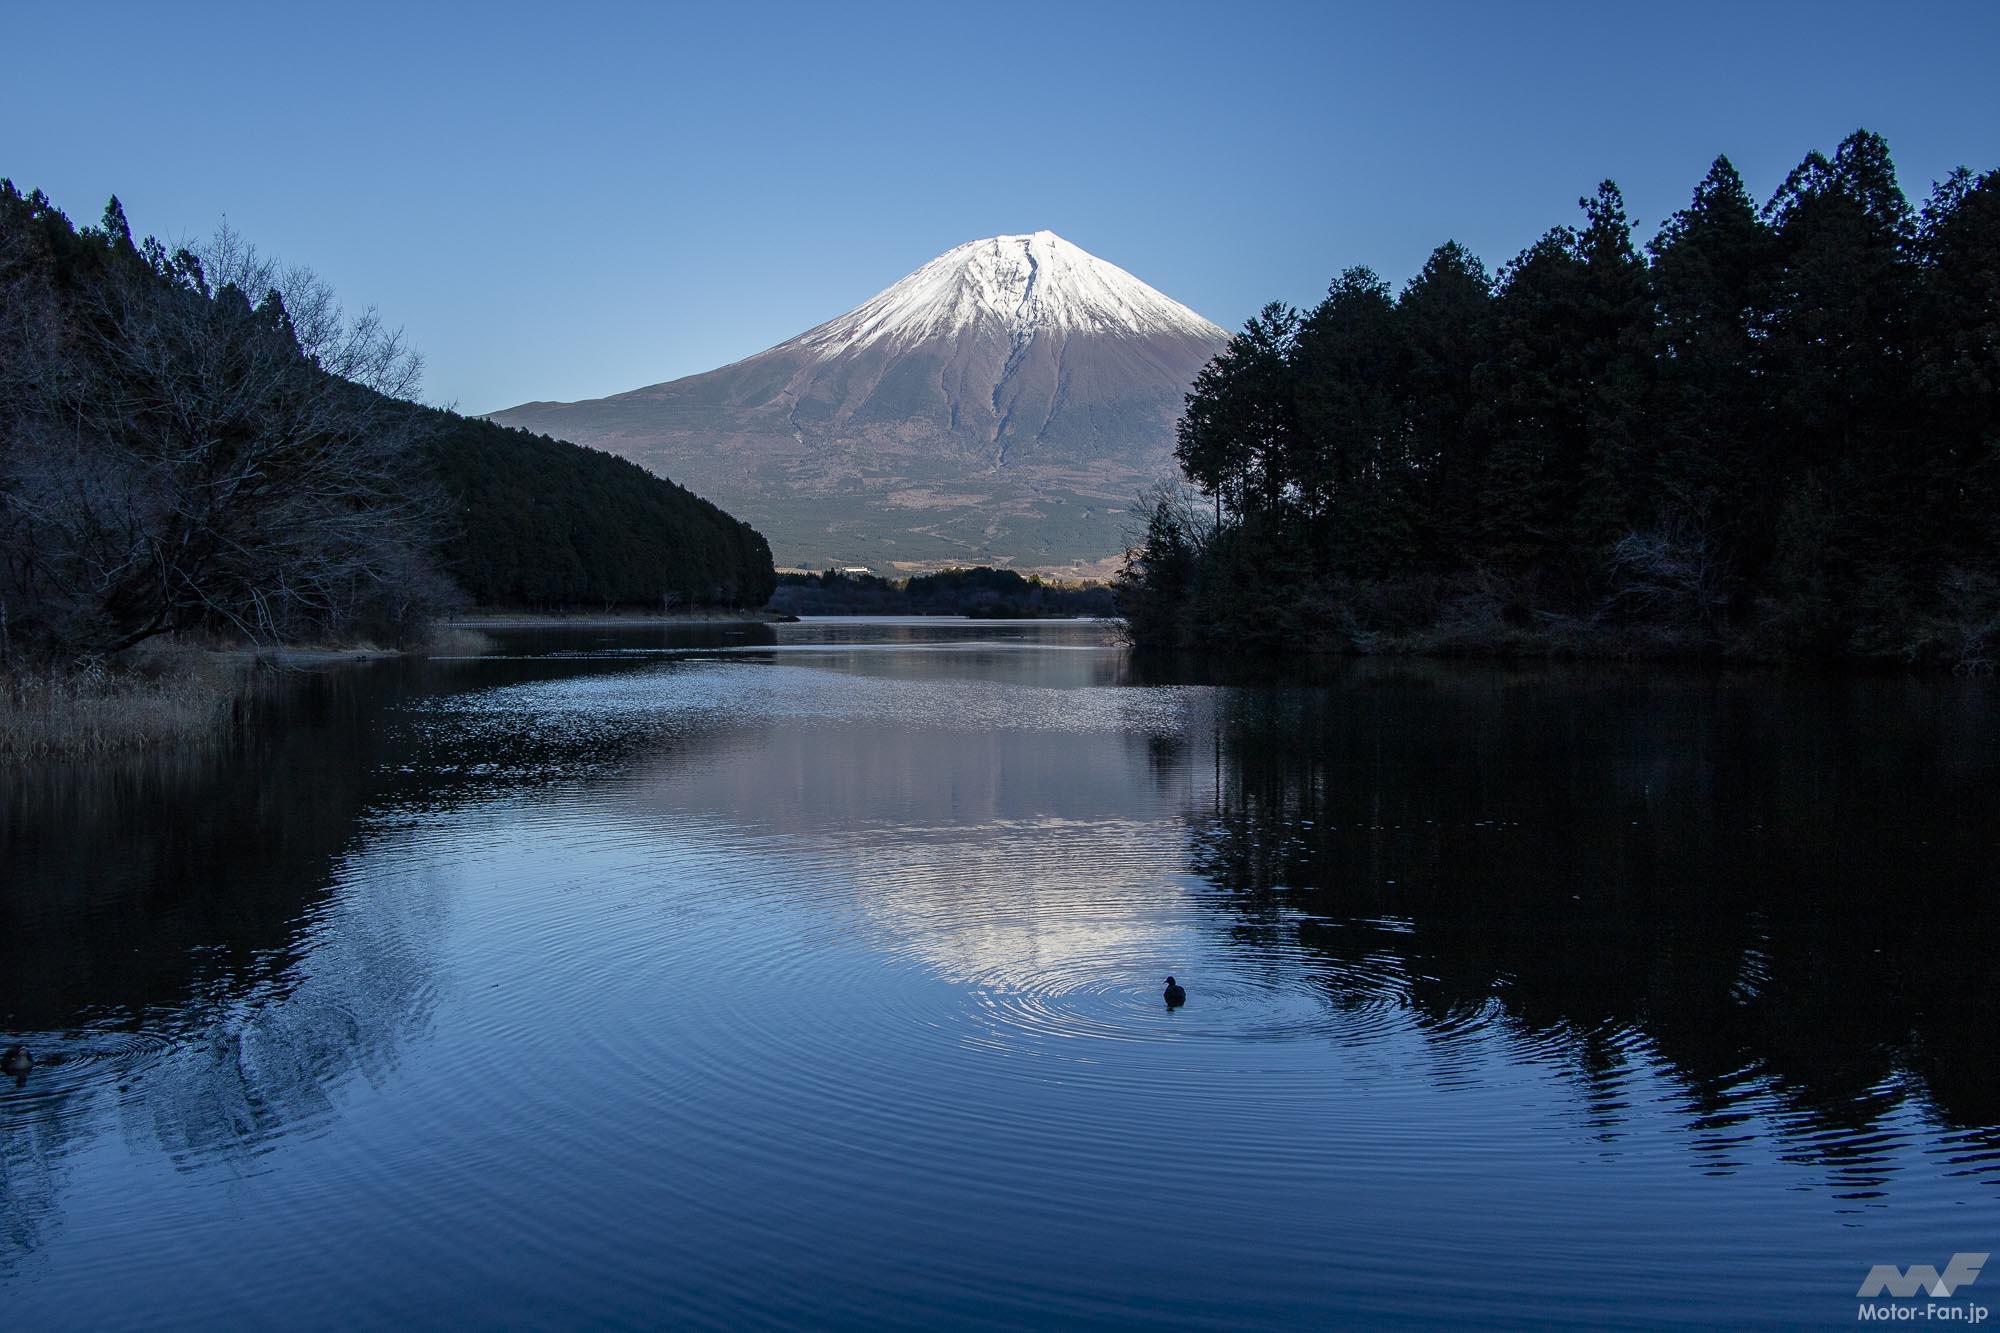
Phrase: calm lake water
(811,974)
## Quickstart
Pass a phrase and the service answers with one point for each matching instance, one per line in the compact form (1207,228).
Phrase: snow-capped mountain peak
(1001,404)
(1019,287)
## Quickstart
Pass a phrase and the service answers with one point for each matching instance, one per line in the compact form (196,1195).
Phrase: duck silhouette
(17,1061)
(1176,995)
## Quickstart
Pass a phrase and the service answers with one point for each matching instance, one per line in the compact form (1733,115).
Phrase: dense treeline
(1776,432)
(981,592)
(197,441)
(544,523)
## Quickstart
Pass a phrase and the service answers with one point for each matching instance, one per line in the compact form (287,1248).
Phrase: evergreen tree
(1445,320)
(1235,440)
(1709,262)
(1611,354)
(1782,435)
(1350,464)
(1535,386)
(1835,335)
(114,226)
(1958,366)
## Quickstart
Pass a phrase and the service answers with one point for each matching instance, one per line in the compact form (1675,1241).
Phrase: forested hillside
(1774,432)
(541,522)
(196,440)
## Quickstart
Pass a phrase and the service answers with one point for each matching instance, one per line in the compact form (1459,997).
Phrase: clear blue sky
(561,201)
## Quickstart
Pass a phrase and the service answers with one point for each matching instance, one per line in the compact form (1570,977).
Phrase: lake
(811,974)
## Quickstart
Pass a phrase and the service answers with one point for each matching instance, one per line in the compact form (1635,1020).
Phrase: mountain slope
(1001,404)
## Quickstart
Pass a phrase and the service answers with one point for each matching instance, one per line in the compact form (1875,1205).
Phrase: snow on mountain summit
(1018,286)
(1001,404)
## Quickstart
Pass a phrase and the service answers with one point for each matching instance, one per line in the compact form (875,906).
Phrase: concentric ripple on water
(819,983)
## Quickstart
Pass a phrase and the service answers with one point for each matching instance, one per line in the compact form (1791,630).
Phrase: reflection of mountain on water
(976,802)
(1780,894)
(1452,915)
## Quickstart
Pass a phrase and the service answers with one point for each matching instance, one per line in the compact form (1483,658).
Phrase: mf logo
(1922,1279)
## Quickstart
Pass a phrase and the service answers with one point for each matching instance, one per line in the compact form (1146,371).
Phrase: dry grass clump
(158,698)
(454,641)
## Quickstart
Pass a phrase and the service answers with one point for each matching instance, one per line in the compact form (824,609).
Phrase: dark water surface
(812,975)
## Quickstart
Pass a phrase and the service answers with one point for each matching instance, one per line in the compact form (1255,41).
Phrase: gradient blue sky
(562,201)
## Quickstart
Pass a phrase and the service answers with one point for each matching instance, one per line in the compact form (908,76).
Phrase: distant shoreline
(500,619)
(503,620)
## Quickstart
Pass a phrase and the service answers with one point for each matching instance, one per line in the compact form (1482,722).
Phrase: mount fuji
(1001,405)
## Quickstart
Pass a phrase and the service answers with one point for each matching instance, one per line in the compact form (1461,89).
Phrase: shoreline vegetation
(169,698)
(1772,436)
(210,472)
(981,593)
(165,692)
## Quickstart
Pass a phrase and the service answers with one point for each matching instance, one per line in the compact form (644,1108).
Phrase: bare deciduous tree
(1674,573)
(188,458)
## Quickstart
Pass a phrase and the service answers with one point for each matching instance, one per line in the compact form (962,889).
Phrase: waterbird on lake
(17,1061)
(1176,994)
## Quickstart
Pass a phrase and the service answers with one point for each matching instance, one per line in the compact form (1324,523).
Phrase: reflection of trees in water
(30,1155)
(225,1073)
(1780,893)
(268,1061)
(173,943)
(155,933)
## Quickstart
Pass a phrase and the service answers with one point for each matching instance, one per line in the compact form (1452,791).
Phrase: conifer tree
(1709,261)
(1958,366)
(1835,336)
(114,226)
(1350,465)
(1236,436)
(1783,433)
(1535,391)
(1444,318)
(1611,356)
